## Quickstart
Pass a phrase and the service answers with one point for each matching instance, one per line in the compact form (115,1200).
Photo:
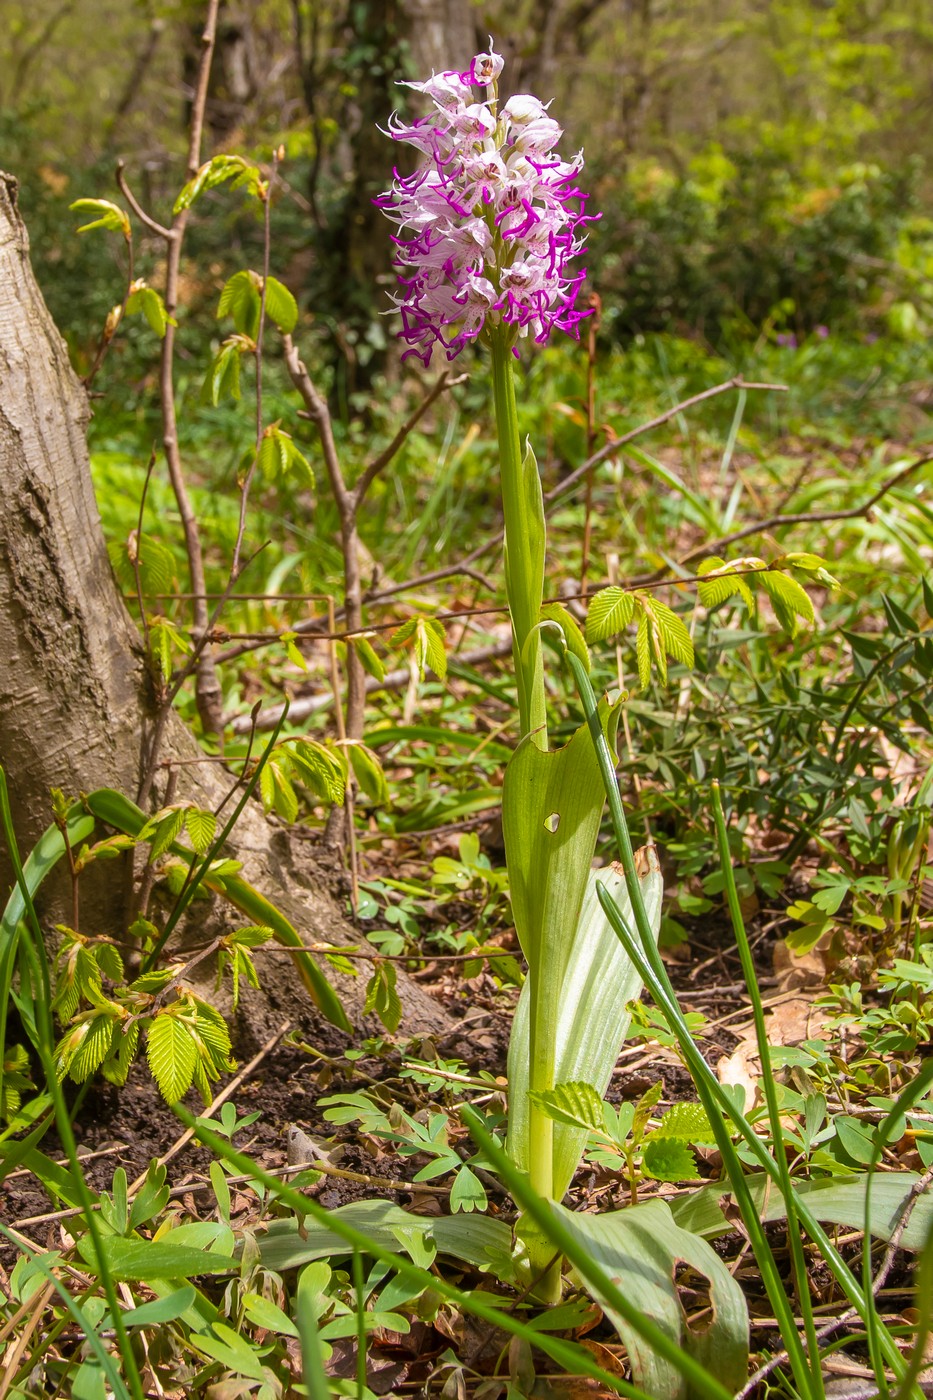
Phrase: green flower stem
(523,508)
(524,543)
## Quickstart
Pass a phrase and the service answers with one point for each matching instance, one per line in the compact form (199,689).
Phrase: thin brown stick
(809,517)
(209,695)
(347,503)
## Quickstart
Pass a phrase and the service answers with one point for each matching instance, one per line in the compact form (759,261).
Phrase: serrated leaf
(369,659)
(643,651)
(201,826)
(84,1047)
(368,773)
(609,612)
(788,600)
(223,376)
(577,1105)
(163,831)
(240,299)
(172,1055)
(320,769)
(149,302)
(668,1159)
(428,637)
(573,637)
(123,1048)
(382,996)
(719,581)
(281,306)
(215,172)
(669,633)
(688,1121)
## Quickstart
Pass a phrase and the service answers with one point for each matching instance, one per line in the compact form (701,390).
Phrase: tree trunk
(75,698)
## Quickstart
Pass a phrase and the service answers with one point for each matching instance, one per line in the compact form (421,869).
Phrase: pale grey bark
(75,698)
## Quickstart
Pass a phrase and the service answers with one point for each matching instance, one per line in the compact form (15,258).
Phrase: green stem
(523,508)
(524,544)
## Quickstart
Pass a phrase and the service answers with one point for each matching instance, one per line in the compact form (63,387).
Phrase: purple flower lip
(489,224)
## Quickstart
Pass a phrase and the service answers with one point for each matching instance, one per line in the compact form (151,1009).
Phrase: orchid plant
(490,227)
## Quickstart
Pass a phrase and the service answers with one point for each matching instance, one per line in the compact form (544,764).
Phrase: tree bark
(75,696)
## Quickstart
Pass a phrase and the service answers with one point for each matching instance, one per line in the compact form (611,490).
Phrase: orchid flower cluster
(490,222)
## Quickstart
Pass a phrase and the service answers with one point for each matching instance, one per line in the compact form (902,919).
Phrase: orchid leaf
(592,1018)
(641,1248)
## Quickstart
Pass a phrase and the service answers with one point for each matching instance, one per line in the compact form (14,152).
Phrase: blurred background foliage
(759,164)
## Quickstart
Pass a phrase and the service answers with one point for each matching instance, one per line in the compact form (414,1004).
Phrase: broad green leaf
(592,1017)
(573,637)
(370,660)
(467,1193)
(368,773)
(640,1249)
(240,300)
(788,600)
(262,1312)
(668,1159)
(149,302)
(231,1350)
(201,826)
(160,1310)
(281,306)
(687,1121)
(719,580)
(610,611)
(578,1105)
(139,1260)
(172,1053)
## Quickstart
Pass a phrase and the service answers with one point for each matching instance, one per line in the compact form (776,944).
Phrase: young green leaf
(611,610)
(578,1105)
(110,216)
(668,1159)
(215,172)
(149,302)
(719,581)
(369,659)
(240,299)
(428,642)
(382,996)
(281,306)
(201,826)
(172,1054)
(368,773)
(788,600)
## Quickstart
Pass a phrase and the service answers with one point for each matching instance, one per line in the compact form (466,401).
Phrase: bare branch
(810,517)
